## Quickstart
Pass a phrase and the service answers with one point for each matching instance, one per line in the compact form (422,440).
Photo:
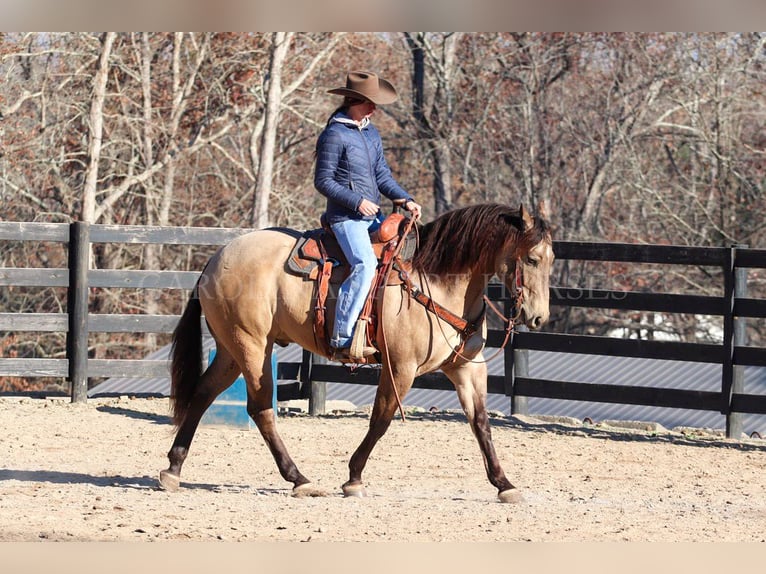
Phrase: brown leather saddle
(317,257)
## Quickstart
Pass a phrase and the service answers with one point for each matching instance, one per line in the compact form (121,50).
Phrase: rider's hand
(413,208)
(368,208)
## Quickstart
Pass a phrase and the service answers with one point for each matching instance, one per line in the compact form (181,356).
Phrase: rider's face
(361,110)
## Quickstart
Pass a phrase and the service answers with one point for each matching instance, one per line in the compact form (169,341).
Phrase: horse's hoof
(170,482)
(510,496)
(354,491)
(308,489)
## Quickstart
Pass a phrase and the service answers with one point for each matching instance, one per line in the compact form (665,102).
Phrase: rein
(384,279)
(466,328)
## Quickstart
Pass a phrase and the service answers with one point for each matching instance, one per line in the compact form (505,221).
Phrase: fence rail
(734,306)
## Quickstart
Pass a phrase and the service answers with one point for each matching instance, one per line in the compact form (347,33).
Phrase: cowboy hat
(368,86)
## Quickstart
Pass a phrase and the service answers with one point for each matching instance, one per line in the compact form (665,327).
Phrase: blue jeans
(354,239)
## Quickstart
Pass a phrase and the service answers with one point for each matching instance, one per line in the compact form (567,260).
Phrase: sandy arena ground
(88,473)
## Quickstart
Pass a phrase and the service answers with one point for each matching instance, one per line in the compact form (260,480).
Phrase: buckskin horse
(251,301)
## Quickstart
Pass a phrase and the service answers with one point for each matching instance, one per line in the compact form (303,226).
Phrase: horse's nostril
(537,322)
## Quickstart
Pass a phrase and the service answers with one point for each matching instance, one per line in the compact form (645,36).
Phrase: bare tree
(434,65)
(630,137)
(96,130)
(278,96)
(280,48)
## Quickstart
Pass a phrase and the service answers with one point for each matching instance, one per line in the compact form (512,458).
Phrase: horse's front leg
(470,380)
(382,413)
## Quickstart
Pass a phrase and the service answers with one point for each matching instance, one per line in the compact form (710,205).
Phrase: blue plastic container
(230,407)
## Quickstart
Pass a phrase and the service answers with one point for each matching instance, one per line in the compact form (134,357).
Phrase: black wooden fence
(77,322)
(733,306)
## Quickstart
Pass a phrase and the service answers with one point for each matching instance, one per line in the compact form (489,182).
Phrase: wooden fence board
(495,339)
(33,231)
(339,374)
(128,368)
(97,323)
(38,277)
(755,308)
(592,345)
(164,235)
(621,394)
(631,300)
(39,322)
(139,279)
(288,371)
(498,292)
(103,323)
(753,356)
(34,367)
(132,323)
(637,253)
(751,258)
(754,404)
(435,381)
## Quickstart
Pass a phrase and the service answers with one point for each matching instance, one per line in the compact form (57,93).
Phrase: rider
(352,173)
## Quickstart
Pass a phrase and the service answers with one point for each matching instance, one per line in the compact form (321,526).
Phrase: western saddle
(317,257)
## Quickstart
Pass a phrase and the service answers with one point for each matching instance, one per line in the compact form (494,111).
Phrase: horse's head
(525,267)
(492,239)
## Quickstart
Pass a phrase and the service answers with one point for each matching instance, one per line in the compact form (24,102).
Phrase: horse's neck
(462,293)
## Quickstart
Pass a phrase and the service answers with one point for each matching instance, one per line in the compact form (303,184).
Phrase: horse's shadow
(134,414)
(116,481)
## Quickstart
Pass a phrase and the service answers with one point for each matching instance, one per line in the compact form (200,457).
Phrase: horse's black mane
(470,238)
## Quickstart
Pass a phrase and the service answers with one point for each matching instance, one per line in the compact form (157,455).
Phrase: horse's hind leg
(470,380)
(219,376)
(260,386)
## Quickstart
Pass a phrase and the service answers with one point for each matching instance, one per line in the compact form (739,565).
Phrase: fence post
(318,396)
(519,367)
(77,309)
(304,375)
(508,359)
(734,420)
(727,366)
(508,371)
(519,404)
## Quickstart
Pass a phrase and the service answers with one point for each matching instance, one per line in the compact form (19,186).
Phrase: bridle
(518,294)
(510,322)
(465,328)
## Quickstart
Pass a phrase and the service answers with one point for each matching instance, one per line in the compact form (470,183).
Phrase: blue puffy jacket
(350,167)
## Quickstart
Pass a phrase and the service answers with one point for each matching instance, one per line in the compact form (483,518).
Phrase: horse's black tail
(186,362)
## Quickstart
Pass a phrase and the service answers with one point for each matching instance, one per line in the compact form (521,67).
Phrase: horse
(250,302)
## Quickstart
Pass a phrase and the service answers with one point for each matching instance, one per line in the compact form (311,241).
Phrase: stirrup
(345,354)
(358,347)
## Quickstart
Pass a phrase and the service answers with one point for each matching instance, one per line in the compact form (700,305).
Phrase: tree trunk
(88,213)
(264,179)
(150,250)
(434,127)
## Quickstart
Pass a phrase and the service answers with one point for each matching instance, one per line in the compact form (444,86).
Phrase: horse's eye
(532,262)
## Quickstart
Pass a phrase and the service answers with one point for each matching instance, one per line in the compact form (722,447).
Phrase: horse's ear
(542,209)
(527,222)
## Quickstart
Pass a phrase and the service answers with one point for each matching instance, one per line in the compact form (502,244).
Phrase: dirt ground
(88,473)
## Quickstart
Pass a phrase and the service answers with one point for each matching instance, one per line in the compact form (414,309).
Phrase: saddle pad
(306,255)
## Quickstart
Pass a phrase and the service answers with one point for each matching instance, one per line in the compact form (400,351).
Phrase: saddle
(317,257)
